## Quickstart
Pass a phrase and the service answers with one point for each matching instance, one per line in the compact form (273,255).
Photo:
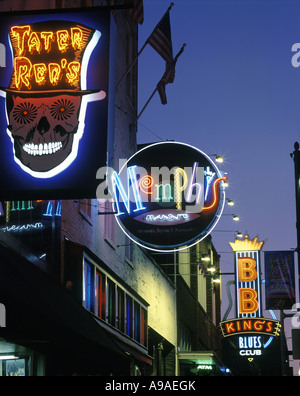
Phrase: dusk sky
(236,94)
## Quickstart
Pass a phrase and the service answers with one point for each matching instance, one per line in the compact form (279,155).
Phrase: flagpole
(141,50)
(148,101)
(157,86)
(131,65)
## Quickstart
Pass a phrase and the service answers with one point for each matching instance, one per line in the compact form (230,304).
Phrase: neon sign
(25,40)
(168,195)
(248,282)
(54,103)
(249,327)
(46,121)
(24,227)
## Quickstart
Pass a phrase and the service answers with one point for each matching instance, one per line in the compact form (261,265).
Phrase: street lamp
(234,217)
(219,158)
(205,258)
(230,202)
(238,233)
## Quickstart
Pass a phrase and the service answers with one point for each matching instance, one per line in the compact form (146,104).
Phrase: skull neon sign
(46,100)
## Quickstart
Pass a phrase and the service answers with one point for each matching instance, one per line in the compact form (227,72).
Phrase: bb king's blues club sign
(168,196)
(252,332)
(54,103)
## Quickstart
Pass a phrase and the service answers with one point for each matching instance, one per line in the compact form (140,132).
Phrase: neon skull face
(43,129)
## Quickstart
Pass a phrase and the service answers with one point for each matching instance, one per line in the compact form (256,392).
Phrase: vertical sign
(248,280)
(280,279)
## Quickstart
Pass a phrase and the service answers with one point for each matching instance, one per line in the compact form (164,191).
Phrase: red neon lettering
(216,182)
(40,71)
(230,328)
(62,40)
(76,38)
(48,37)
(20,32)
(247,325)
(34,43)
(259,325)
(269,328)
(73,74)
(25,40)
(23,70)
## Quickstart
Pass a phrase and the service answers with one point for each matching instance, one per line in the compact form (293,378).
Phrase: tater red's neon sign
(26,40)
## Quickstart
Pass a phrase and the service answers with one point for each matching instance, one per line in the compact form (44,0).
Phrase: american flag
(160,39)
(168,77)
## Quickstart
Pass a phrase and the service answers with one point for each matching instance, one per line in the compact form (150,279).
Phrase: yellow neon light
(77,38)
(19,33)
(246,269)
(40,72)
(178,188)
(48,37)
(23,72)
(73,75)
(62,40)
(25,41)
(248,301)
(216,182)
(34,43)
(246,244)
(55,73)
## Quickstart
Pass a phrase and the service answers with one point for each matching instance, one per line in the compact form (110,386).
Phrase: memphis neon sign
(166,189)
(164,192)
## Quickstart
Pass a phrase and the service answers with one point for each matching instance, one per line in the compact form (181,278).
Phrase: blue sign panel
(280,279)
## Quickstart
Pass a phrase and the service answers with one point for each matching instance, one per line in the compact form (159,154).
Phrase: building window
(109,225)
(106,299)
(100,295)
(111,302)
(120,318)
(129,317)
(137,321)
(87,285)
(144,327)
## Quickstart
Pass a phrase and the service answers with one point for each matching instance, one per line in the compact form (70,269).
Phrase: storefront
(47,332)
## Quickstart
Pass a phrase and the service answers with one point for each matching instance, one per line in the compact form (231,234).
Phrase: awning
(203,360)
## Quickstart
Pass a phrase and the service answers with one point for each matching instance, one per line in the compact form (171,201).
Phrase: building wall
(101,233)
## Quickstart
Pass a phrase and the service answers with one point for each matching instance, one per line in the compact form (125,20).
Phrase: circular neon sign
(168,196)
